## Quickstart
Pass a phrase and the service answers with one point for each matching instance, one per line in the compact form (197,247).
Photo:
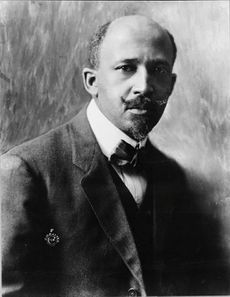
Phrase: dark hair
(98,37)
(174,47)
(95,43)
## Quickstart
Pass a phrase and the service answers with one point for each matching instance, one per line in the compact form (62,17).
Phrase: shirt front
(108,137)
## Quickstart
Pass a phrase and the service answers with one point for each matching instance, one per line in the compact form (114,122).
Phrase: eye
(161,70)
(127,68)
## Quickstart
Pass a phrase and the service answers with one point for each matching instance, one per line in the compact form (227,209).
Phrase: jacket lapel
(163,176)
(102,194)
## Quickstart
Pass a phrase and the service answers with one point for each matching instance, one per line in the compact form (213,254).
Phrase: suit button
(132,292)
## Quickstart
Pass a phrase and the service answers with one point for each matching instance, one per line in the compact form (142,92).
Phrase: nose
(142,82)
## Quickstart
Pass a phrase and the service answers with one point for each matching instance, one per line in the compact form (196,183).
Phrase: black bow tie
(125,154)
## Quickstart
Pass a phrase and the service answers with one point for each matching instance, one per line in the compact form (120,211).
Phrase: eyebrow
(128,60)
(162,62)
(136,60)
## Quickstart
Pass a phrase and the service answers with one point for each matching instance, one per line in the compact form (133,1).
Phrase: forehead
(133,40)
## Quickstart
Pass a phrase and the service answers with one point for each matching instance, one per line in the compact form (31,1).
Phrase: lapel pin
(51,238)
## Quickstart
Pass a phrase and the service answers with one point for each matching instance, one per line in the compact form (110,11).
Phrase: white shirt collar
(107,134)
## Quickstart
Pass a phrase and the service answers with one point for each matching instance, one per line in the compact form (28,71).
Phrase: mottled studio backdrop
(42,51)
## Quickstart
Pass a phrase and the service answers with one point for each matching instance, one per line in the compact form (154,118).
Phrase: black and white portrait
(115,148)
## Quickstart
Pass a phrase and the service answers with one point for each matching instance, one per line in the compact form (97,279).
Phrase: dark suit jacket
(61,181)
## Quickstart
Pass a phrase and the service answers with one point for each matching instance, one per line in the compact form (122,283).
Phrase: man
(92,208)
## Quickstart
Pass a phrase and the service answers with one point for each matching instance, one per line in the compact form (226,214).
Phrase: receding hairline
(111,26)
(130,20)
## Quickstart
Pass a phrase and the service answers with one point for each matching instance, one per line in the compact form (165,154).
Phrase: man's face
(134,78)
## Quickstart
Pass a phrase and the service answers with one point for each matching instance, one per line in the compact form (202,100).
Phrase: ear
(90,81)
(173,81)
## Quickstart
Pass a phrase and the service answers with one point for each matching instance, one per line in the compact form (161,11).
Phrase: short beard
(139,130)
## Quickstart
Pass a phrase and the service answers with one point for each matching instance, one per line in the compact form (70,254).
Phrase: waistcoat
(141,223)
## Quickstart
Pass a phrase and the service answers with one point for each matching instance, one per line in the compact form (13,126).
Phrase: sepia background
(43,47)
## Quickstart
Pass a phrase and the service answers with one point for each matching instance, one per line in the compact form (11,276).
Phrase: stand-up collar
(107,134)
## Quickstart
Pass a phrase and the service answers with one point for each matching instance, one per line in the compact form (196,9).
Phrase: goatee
(139,130)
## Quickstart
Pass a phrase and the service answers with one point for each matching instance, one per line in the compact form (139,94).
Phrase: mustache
(143,102)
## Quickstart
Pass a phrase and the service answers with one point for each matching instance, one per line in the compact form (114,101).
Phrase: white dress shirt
(108,137)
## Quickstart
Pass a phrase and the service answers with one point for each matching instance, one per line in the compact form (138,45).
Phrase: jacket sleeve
(17,190)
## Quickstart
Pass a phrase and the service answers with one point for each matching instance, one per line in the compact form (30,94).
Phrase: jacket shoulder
(164,164)
(43,151)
